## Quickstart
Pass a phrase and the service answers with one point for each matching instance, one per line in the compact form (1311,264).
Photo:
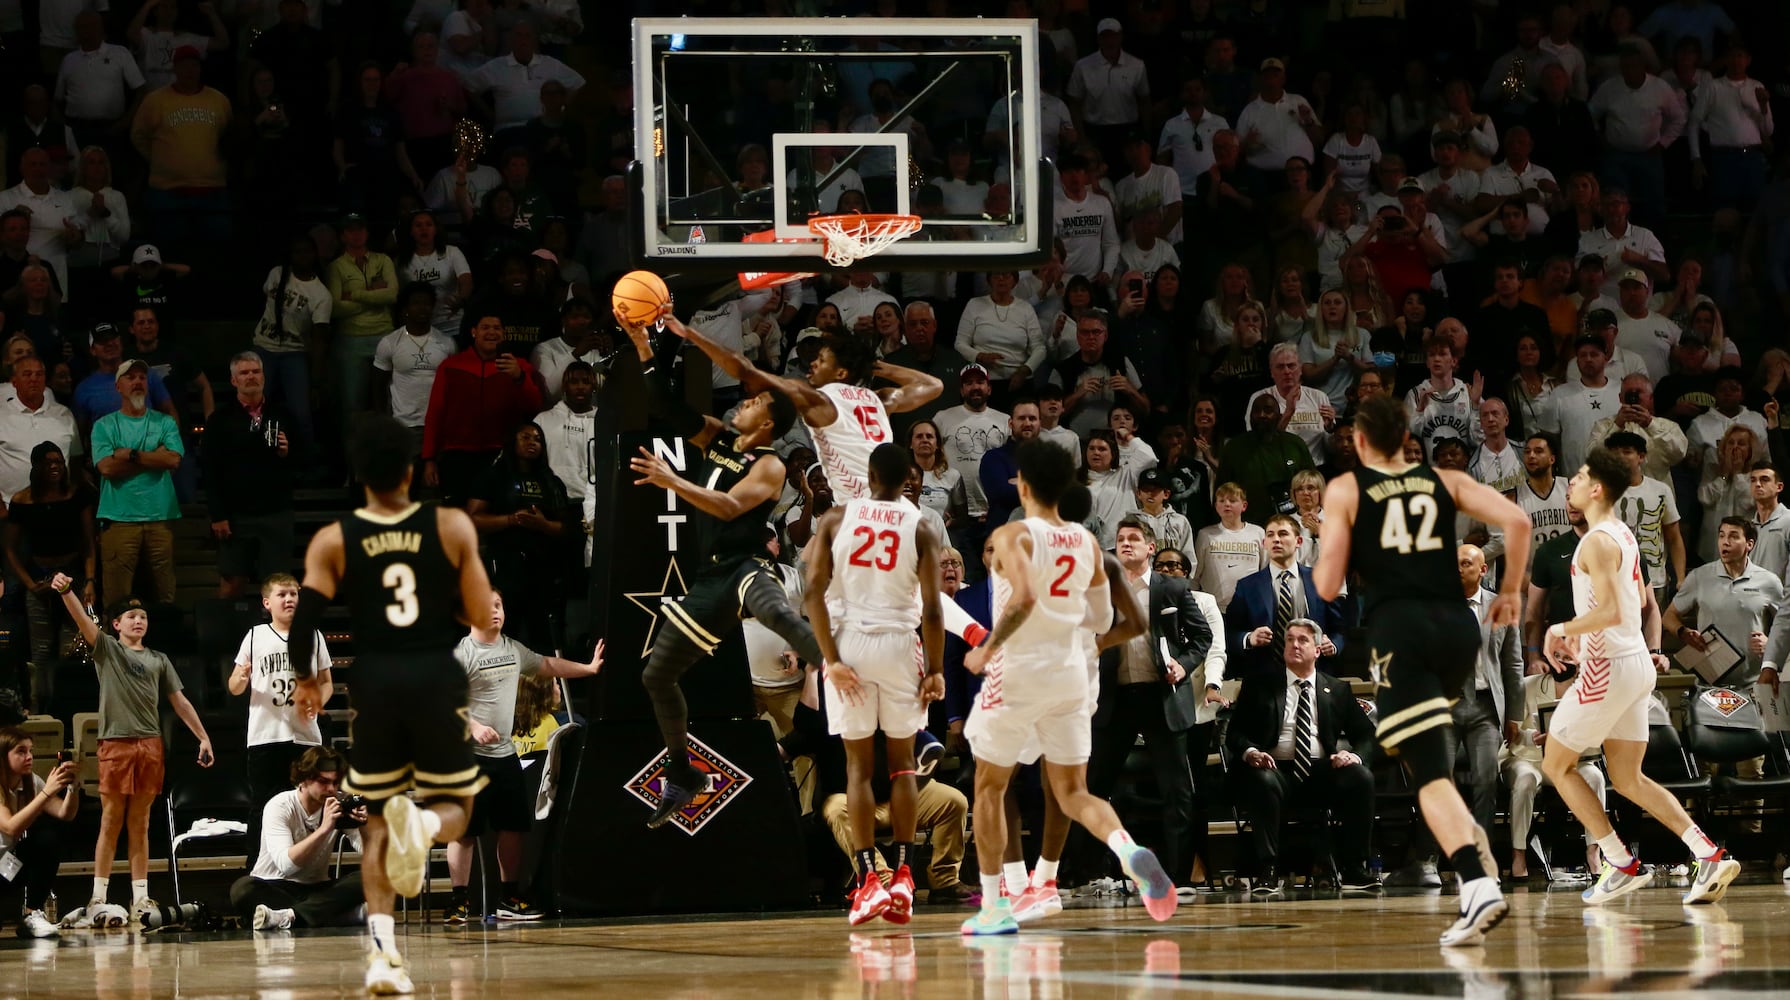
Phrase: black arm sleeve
(302,644)
(665,402)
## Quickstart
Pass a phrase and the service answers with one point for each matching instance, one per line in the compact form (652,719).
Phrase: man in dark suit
(1283,754)
(1143,691)
(1490,708)
(1268,599)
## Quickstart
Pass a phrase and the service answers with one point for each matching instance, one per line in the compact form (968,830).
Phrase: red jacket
(474,406)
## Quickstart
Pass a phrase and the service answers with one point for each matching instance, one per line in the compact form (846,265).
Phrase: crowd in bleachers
(1546,226)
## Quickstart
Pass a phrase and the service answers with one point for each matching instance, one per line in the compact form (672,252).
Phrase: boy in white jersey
(278,735)
(1608,702)
(864,598)
(1049,577)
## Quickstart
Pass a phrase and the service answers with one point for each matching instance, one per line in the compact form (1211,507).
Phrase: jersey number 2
(1056,586)
(1395,532)
(870,536)
(402,581)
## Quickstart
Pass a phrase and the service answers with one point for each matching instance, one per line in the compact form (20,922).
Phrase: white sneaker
(141,909)
(1482,908)
(269,919)
(36,925)
(386,975)
(406,847)
(1615,883)
(1713,875)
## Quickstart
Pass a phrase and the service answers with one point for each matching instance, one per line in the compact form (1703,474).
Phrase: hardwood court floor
(1299,946)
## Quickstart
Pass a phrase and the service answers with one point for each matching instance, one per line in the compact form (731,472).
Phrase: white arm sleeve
(1099,616)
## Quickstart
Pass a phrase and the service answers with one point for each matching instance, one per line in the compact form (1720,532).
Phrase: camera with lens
(349,803)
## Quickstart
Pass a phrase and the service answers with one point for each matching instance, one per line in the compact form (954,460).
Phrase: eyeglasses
(1174,564)
(951,562)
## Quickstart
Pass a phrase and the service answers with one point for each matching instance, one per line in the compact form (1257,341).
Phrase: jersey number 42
(1395,531)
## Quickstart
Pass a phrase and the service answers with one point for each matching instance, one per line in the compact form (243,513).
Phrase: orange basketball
(641,297)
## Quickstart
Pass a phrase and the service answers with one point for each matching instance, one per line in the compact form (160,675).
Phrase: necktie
(1283,607)
(1302,723)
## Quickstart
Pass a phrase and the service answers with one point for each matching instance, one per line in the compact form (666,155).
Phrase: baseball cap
(972,370)
(1636,275)
(146,254)
(187,52)
(809,333)
(351,220)
(1268,64)
(1691,338)
(1599,319)
(123,604)
(545,254)
(129,366)
(1152,479)
(1108,24)
(101,331)
(1445,138)
(1411,185)
(1590,339)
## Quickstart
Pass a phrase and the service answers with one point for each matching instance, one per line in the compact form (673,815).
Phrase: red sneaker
(869,901)
(901,897)
(1037,902)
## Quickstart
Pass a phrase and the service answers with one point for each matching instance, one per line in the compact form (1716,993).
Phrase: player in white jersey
(1541,494)
(865,565)
(1608,701)
(1049,576)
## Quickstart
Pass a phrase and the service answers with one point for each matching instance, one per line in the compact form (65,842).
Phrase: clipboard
(1714,663)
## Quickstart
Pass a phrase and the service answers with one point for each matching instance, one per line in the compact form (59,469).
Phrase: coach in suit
(1490,708)
(1282,750)
(1146,688)
(1268,599)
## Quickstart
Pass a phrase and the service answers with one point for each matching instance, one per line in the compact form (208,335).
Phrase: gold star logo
(650,601)
(1381,666)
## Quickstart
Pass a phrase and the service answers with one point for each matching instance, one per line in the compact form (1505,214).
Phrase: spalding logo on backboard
(726,782)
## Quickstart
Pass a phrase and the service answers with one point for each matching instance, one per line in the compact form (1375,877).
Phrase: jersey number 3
(1395,532)
(402,581)
(870,536)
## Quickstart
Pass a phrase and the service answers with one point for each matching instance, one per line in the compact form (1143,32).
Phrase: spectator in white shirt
(1148,185)
(1666,443)
(468,37)
(1578,405)
(1622,244)
(1001,333)
(1519,177)
(28,416)
(405,359)
(1110,91)
(1735,110)
(1351,153)
(569,427)
(1277,126)
(96,84)
(1563,22)
(1648,334)
(1638,115)
(1603,324)
(1706,431)
(1479,135)
(55,223)
(1186,142)
(1304,411)
(514,81)
(1084,224)
(1145,252)
(155,44)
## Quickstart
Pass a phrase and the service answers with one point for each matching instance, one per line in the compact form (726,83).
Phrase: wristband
(974,633)
(133,456)
(1654,651)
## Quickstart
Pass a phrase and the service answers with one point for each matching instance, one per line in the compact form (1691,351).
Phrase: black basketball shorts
(1421,654)
(503,804)
(716,602)
(410,728)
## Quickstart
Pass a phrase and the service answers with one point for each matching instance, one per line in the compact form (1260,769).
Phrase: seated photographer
(290,886)
(940,810)
(32,811)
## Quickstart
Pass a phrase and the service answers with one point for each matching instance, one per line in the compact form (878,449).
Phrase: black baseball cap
(1152,479)
(119,607)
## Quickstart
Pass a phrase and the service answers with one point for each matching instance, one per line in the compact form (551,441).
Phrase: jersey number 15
(1395,531)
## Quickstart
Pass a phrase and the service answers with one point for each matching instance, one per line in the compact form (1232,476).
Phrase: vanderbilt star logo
(650,601)
(1380,666)
(1597,404)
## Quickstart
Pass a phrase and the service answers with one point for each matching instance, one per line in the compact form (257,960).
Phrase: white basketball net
(850,238)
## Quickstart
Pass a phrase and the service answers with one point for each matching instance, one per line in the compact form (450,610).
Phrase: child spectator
(1169,528)
(1229,550)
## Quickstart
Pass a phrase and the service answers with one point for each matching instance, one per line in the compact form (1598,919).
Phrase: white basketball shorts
(888,698)
(1024,712)
(1607,701)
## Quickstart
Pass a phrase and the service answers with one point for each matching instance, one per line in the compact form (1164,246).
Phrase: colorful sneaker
(270,919)
(34,924)
(673,799)
(406,847)
(1482,908)
(1711,877)
(1153,884)
(1037,902)
(386,975)
(992,918)
(1617,882)
(868,901)
(517,909)
(458,912)
(901,897)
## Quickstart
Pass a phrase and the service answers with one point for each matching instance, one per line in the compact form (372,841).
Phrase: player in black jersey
(1393,524)
(407,572)
(744,478)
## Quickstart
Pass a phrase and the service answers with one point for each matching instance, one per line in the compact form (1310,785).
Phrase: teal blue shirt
(146,496)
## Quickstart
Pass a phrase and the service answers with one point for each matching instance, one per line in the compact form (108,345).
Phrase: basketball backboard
(748,127)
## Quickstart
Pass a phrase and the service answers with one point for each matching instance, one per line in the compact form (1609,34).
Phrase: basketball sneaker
(1616,882)
(1711,877)
(868,901)
(406,847)
(386,975)
(517,909)
(673,800)
(269,919)
(35,925)
(1153,883)
(1482,908)
(142,910)
(992,918)
(458,912)
(901,897)
(1037,902)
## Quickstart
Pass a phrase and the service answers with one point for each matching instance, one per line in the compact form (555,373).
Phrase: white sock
(1015,873)
(99,887)
(384,931)
(1701,846)
(991,890)
(1615,851)
(1045,872)
(139,890)
(431,823)
(1121,843)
